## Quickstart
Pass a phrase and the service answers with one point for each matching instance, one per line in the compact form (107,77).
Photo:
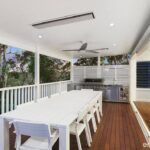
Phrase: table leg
(4,134)
(64,138)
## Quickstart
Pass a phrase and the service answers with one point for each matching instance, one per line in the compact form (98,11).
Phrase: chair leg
(100,109)
(88,128)
(78,142)
(98,116)
(94,123)
(87,137)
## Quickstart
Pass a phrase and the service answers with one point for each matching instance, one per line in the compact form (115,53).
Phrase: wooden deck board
(118,130)
(144,109)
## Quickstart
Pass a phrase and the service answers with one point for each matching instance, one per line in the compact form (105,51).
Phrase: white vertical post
(37,74)
(15,98)
(60,86)
(7,101)
(3,102)
(98,67)
(11,100)
(72,70)
(84,73)
(99,61)
(19,96)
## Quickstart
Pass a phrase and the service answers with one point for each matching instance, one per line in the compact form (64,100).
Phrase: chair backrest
(92,104)
(32,129)
(82,113)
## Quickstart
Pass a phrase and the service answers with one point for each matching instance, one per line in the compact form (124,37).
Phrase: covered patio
(96,95)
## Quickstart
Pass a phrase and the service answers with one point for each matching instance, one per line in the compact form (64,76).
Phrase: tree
(65,72)
(3,65)
(25,62)
(52,69)
(47,69)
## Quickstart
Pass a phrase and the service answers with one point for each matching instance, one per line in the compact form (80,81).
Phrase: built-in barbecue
(110,92)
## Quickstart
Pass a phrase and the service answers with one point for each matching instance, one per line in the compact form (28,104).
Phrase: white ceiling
(129,16)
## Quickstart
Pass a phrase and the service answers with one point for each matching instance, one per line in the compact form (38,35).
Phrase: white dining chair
(99,106)
(91,115)
(42,137)
(96,110)
(76,128)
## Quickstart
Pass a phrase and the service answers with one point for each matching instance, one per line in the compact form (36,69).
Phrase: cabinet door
(115,93)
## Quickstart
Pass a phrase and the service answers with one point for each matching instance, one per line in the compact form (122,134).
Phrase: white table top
(59,110)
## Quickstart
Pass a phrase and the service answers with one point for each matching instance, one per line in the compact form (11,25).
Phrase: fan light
(39,36)
(111,24)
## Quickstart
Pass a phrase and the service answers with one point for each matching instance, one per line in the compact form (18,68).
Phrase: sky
(11,51)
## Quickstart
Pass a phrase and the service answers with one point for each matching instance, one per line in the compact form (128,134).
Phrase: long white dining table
(59,111)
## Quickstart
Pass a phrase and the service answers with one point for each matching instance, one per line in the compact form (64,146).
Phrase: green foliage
(87,61)
(52,69)
(26,66)
(115,60)
(16,70)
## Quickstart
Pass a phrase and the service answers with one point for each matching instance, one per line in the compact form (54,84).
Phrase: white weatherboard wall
(143,94)
(118,74)
(139,94)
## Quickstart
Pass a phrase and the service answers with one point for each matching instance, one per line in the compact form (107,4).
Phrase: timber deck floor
(118,130)
(144,109)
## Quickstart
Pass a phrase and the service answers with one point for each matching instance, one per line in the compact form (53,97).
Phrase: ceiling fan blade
(98,49)
(91,51)
(83,46)
(67,50)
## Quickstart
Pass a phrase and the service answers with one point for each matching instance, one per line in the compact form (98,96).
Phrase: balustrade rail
(48,89)
(12,96)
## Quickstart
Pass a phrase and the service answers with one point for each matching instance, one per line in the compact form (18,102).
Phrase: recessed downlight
(39,36)
(114,44)
(111,24)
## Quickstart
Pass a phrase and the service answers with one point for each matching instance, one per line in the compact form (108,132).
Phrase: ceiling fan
(84,48)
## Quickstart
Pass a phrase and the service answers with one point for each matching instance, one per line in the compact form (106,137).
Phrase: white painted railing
(48,89)
(13,96)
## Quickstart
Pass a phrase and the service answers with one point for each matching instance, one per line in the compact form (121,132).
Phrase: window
(53,69)
(143,74)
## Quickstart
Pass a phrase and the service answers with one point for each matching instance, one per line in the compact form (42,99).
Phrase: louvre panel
(91,72)
(78,74)
(110,74)
(143,74)
(122,74)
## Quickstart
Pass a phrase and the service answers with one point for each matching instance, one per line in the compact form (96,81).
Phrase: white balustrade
(12,96)
(48,89)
